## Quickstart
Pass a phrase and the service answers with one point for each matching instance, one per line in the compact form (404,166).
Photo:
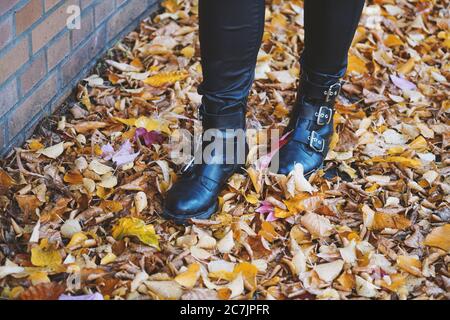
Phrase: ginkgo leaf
(135,227)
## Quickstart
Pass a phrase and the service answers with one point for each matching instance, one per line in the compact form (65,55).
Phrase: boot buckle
(316,142)
(188,166)
(324,116)
(333,91)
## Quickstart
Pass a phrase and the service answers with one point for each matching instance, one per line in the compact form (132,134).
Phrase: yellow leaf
(396,150)
(39,277)
(189,278)
(439,237)
(85,100)
(397,282)
(251,198)
(188,52)
(129,122)
(347,281)
(152,124)
(111,206)
(419,144)
(170,5)
(164,78)
(268,231)
(35,145)
(256,179)
(334,140)
(45,255)
(360,35)
(407,66)
(248,271)
(407,162)
(393,40)
(110,257)
(356,64)
(77,240)
(135,227)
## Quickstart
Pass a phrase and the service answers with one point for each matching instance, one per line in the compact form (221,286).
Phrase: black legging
(231,33)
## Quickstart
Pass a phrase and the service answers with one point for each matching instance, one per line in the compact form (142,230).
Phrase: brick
(33,73)
(123,18)
(6,32)
(28,15)
(27,110)
(6,5)
(48,4)
(83,56)
(86,3)
(51,26)
(14,59)
(8,96)
(103,10)
(58,50)
(87,26)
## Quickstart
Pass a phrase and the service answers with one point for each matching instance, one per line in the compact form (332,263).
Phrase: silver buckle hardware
(324,116)
(316,142)
(188,166)
(333,91)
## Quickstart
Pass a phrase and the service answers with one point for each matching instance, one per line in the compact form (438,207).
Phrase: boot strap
(319,92)
(235,120)
(312,139)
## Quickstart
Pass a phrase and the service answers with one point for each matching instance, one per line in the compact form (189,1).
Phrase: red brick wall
(41,59)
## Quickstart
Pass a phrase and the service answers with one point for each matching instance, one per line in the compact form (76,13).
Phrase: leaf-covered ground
(81,200)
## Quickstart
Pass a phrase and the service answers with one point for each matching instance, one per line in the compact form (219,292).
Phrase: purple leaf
(108,152)
(402,83)
(90,297)
(150,138)
(123,156)
(267,208)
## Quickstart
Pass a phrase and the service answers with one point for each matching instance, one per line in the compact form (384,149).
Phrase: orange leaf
(73,177)
(386,220)
(439,237)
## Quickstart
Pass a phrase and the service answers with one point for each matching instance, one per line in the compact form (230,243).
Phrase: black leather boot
(311,123)
(195,194)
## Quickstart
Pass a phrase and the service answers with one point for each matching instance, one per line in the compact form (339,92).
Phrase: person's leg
(329,30)
(230,37)
(330,26)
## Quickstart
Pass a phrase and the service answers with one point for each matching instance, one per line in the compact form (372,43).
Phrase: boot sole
(185,219)
(203,215)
